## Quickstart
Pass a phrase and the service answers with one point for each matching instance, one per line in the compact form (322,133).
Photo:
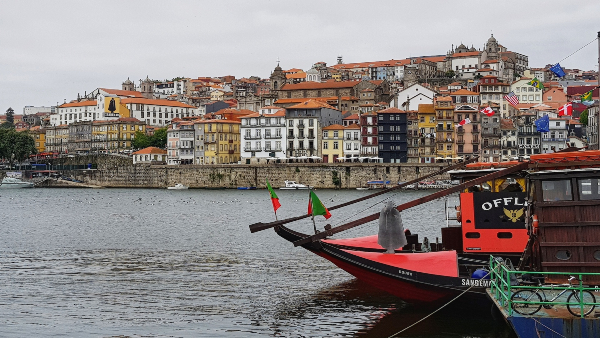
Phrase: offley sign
(501,210)
(506,201)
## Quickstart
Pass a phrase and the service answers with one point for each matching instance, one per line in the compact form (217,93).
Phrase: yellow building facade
(39,136)
(117,135)
(221,141)
(332,146)
(427,125)
(445,131)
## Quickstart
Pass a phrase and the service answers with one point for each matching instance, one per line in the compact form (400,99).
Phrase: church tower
(492,49)
(128,85)
(277,79)
(147,88)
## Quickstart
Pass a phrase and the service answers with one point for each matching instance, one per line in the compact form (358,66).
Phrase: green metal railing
(503,289)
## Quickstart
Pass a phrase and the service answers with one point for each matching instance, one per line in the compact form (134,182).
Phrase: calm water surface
(161,263)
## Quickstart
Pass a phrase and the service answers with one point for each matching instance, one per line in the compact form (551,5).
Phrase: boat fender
(535,223)
(480,273)
(458,214)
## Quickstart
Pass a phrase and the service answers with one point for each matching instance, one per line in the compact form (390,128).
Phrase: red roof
(78,104)
(119,92)
(159,102)
(319,85)
(391,110)
(311,104)
(151,150)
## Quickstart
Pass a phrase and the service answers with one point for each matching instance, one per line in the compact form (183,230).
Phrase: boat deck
(555,322)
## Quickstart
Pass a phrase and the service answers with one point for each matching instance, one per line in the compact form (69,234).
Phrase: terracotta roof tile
(311,104)
(119,92)
(333,127)
(320,85)
(79,104)
(150,150)
(392,110)
(157,102)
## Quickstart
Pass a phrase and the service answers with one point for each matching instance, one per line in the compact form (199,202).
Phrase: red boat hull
(404,289)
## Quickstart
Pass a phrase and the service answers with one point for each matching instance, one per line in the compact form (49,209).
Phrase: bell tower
(278,79)
(147,88)
(128,85)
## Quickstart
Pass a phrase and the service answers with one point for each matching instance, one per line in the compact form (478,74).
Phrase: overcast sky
(52,50)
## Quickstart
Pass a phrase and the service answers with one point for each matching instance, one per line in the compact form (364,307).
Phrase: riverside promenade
(117,171)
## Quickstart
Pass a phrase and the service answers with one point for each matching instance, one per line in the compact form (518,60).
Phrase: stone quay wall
(343,176)
(120,172)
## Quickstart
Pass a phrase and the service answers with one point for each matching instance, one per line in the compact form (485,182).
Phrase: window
(335,145)
(558,190)
(290,123)
(325,134)
(325,145)
(589,189)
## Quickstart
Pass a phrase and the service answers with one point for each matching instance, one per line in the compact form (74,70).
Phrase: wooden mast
(428,198)
(263,226)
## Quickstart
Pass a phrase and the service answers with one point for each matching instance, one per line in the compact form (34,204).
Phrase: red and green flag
(274,198)
(315,207)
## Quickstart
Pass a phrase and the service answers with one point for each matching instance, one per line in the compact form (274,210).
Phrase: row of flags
(315,206)
(488,111)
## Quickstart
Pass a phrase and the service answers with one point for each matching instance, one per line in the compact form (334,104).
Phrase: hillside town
(485,102)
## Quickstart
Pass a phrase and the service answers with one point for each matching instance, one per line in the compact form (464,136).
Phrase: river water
(164,263)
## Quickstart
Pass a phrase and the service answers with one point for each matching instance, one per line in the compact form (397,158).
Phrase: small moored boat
(178,186)
(246,188)
(14,183)
(292,185)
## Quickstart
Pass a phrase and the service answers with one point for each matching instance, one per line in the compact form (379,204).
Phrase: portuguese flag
(315,207)
(274,198)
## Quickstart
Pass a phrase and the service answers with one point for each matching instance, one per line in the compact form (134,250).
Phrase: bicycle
(533,295)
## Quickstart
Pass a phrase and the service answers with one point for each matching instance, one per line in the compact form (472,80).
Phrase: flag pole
(312,213)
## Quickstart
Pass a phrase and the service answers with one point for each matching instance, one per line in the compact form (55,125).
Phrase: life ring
(458,214)
(535,223)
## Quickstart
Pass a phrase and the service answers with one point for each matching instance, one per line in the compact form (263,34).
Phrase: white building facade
(263,135)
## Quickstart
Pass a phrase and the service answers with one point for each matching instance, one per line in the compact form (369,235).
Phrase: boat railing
(505,282)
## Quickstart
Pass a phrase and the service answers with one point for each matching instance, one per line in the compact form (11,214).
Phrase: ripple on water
(154,263)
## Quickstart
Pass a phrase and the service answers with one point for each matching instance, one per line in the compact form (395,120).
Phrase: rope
(577,50)
(443,306)
(549,328)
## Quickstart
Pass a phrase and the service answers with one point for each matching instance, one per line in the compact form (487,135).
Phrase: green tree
(450,74)
(159,139)
(24,146)
(16,146)
(141,140)
(583,118)
(10,119)
(478,76)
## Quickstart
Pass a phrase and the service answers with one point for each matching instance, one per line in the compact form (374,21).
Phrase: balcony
(554,139)
(475,141)
(270,137)
(250,137)
(460,130)
(461,141)
(249,149)
(311,137)
(231,152)
(529,146)
(491,133)
(210,141)
(301,125)
(272,149)
(528,133)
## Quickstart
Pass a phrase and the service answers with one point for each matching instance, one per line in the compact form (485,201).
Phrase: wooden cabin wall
(568,226)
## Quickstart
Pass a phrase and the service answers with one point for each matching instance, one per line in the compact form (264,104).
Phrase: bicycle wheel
(573,303)
(526,296)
